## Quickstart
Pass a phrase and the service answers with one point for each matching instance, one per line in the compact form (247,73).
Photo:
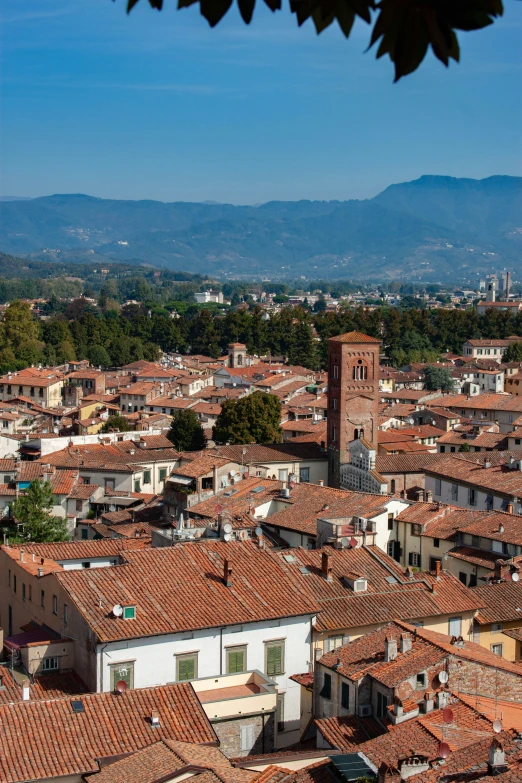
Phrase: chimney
(428,496)
(321,482)
(405,642)
(390,649)
(40,572)
(26,691)
(419,494)
(402,493)
(438,568)
(496,758)
(442,700)
(154,718)
(326,568)
(428,703)
(510,508)
(227,574)
(22,553)
(398,709)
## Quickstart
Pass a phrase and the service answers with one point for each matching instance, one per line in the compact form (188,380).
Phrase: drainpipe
(221,649)
(101,666)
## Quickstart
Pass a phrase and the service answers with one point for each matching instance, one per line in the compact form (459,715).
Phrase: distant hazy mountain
(432,228)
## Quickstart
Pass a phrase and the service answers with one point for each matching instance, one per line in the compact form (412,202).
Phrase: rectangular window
(454,491)
(283,474)
(280,712)
(475,541)
(275,658)
(304,475)
(345,696)
(336,371)
(333,643)
(390,521)
(497,627)
(438,486)
(326,690)
(186,667)
(416,530)
(137,486)
(110,483)
(497,649)
(463,577)
(30,592)
(23,591)
(334,403)
(414,559)
(146,476)
(162,474)
(65,614)
(79,504)
(50,664)
(14,582)
(436,542)
(421,680)
(472,497)
(236,660)
(455,626)
(42,598)
(55,605)
(129,612)
(382,703)
(122,672)
(246,737)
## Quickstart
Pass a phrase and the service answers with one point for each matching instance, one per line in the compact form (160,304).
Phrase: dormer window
(129,612)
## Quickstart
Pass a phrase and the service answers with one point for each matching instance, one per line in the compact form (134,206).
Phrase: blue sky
(157,105)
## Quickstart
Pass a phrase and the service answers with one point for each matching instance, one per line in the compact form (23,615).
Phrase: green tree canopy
(438,378)
(404,29)
(186,432)
(513,353)
(252,419)
(33,511)
(117,423)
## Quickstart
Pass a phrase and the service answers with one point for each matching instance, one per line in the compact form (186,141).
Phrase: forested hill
(433,228)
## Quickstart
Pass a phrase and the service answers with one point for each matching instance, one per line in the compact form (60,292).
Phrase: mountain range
(433,228)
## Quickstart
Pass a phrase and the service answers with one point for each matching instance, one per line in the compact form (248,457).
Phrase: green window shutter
(236,661)
(274,660)
(186,669)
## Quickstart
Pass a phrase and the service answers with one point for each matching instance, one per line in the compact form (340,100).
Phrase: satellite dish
(447,715)
(259,532)
(497,726)
(515,577)
(232,472)
(345,542)
(112,507)
(121,686)
(443,677)
(117,610)
(227,528)
(444,750)
(227,536)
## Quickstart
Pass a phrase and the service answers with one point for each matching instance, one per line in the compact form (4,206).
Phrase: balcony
(230,695)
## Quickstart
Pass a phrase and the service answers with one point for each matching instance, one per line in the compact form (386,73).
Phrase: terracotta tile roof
(30,565)
(389,592)
(406,463)
(181,588)
(32,733)
(470,469)
(46,686)
(83,491)
(97,455)
(306,679)
(354,337)
(72,550)
(475,556)
(202,464)
(346,733)
(501,602)
(511,711)
(264,455)
(6,490)
(7,465)
(167,758)
(240,499)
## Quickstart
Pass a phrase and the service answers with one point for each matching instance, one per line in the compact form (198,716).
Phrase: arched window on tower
(239,359)
(356,434)
(360,371)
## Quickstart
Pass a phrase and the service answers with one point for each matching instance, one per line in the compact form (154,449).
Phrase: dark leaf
(214,10)
(412,44)
(246,9)
(454,50)
(362,8)
(345,18)
(274,5)
(320,22)
(130,5)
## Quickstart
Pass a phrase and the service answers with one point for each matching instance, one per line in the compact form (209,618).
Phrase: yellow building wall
(510,647)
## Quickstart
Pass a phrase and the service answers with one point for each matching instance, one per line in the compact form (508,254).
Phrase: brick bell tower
(353,397)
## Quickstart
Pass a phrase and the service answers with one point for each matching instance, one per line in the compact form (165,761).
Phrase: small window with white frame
(50,664)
